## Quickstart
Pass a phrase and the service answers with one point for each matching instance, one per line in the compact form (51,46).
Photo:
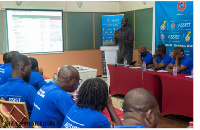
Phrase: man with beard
(16,89)
(124,38)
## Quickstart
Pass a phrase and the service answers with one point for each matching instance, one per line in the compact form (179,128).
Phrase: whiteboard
(35,31)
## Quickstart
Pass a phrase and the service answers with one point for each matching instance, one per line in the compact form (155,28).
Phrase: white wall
(135,5)
(69,6)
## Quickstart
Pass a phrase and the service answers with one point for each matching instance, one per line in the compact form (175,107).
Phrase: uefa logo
(172,25)
(181,5)
(162,36)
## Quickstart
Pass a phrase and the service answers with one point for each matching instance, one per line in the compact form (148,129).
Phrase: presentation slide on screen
(34,31)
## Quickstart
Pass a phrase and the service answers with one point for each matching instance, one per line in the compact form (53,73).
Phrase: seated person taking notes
(92,99)
(160,59)
(144,55)
(183,62)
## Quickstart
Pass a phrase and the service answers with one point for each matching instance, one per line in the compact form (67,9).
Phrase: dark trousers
(128,56)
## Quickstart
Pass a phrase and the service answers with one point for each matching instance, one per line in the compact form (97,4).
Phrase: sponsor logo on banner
(162,36)
(181,5)
(187,38)
(182,25)
(162,27)
(115,20)
(171,37)
(108,20)
(172,25)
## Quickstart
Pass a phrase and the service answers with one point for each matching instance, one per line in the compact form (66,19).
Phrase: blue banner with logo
(174,25)
(110,23)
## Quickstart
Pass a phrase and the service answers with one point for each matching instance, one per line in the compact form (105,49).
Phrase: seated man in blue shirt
(6,69)
(52,101)
(183,62)
(92,99)
(16,89)
(144,55)
(36,79)
(160,59)
(141,109)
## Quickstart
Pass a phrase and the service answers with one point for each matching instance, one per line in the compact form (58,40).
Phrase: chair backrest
(18,112)
(6,120)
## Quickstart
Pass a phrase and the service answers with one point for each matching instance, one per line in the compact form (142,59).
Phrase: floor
(170,121)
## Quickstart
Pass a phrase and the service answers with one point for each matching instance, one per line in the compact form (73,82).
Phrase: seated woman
(92,99)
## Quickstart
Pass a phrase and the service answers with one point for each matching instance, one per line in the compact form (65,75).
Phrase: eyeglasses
(79,80)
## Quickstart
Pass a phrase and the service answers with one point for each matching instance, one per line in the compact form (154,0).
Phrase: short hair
(143,48)
(34,63)
(162,48)
(179,49)
(11,55)
(126,19)
(5,57)
(93,93)
(139,100)
(19,60)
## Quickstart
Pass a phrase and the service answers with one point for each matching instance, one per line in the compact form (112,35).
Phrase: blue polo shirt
(187,62)
(50,106)
(36,80)
(147,58)
(166,59)
(16,89)
(5,73)
(78,117)
(135,126)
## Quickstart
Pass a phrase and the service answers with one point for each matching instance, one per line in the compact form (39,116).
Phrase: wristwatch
(139,54)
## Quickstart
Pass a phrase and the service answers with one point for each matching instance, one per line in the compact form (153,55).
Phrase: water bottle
(74,94)
(143,65)
(175,70)
(55,76)
(192,73)
(125,62)
(190,124)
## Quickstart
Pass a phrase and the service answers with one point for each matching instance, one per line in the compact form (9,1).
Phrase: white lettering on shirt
(41,93)
(2,70)
(36,106)
(15,99)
